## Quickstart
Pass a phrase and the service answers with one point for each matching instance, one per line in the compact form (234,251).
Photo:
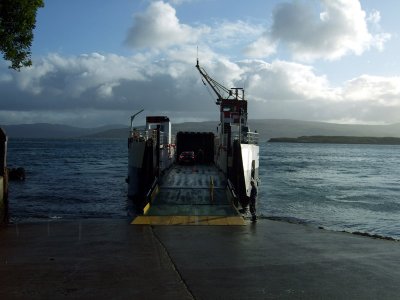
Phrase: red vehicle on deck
(187,157)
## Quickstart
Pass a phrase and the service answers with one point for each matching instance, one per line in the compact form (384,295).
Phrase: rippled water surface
(69,178)
(339,187)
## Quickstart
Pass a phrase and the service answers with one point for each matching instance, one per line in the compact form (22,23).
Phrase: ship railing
(231,194)
(163,140)
(153,191)
(152,134)
(139,135)
(248,138)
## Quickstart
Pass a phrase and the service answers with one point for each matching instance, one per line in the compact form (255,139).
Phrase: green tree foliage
(17,21)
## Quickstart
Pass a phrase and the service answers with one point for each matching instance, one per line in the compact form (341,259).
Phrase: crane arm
(216,86)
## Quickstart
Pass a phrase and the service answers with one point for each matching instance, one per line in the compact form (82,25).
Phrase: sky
(97,62)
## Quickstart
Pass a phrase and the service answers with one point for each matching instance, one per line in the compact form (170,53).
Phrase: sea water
(339,187)
(68,178)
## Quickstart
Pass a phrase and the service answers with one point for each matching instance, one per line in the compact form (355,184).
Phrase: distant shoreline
(338,140)
(266,128)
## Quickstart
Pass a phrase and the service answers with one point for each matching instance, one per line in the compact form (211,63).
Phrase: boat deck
(191,195)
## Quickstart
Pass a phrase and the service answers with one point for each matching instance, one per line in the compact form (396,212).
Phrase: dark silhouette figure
(253,199)
(200,156)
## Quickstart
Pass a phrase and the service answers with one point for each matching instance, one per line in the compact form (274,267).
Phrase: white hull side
(250,158)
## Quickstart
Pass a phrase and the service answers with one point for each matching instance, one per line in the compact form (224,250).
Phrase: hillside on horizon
(52,131)
(267,128)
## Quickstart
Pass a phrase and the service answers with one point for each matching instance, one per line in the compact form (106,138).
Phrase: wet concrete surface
(86,259)
(109,259)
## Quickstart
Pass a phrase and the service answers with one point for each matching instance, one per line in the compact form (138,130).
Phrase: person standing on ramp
(253,199)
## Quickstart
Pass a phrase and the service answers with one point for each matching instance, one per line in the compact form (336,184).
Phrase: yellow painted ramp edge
(189,220)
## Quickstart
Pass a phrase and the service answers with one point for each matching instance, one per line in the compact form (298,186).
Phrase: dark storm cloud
(116,86)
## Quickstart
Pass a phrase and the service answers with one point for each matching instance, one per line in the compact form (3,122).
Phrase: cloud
(97,89)
(158,27)
(374,17)
(283,89)
(75,85)
(228,34)
(262,47)
(338,29)
(375,90)
(72,76)
(100,88)
(288,81)
(179,2)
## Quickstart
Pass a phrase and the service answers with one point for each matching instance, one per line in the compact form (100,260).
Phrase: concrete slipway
(110,259)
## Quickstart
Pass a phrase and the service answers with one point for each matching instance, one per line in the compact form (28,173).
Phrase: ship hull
(136,153)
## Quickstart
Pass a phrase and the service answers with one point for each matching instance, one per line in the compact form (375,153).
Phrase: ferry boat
(211,183)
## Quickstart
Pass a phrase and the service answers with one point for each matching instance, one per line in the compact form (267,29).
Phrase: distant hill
(46,130)
(189,126)
(339,140)
(117,133)
(272,128)
(267,128)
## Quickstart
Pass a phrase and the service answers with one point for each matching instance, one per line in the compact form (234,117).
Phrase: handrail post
(212,189)
(4,175)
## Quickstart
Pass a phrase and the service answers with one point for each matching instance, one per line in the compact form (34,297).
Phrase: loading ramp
(191,195)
